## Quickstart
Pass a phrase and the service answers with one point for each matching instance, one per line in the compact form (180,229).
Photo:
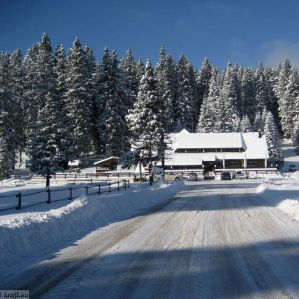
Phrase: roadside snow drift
(282,192)
(26,238)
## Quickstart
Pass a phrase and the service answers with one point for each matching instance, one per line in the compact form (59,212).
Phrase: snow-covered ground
(227,239)
(288,152)
(30,235)
(283,193)
(212,239)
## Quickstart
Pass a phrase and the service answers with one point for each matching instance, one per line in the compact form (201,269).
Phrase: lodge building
(211,151)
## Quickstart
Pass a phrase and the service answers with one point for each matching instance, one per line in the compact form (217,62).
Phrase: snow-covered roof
(105,160)
(175,137)
(254,147)
(74,163)
(184,159)
(209,140)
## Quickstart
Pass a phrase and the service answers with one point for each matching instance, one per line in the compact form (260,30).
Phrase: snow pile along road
(291,207)
(282,192)
(28,238)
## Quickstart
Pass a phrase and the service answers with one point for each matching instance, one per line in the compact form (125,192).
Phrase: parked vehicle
(252,175)
(240,175)
(292,168)
(218,176)
(226,176)
(192,177)
(200,177)
(169,176)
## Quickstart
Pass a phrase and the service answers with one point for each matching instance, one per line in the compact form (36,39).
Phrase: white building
(210,151)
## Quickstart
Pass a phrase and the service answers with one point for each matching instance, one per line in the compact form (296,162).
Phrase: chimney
(260,133)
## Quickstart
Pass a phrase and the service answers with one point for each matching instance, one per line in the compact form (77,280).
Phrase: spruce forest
(59,105)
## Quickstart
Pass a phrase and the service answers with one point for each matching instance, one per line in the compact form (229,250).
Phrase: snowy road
(213,240)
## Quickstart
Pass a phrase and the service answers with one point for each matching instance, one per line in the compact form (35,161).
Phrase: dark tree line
(58,106)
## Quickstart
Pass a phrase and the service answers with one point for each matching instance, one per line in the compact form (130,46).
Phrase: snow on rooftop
(210,140)
(107,159)
(255,147)
(74,163)
(184,159)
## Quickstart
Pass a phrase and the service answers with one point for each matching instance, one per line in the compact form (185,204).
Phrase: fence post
(99,189)
(117,185)
(19,196)
(109,190)
(49,195)
(86,190)
(71,193)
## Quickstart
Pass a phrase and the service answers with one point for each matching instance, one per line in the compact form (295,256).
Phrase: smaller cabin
(74,164)
(107,164)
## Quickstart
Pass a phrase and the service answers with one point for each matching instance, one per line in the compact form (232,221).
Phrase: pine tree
(103,90)
(43,144)
(116,127)
(203,82)
(248,95)
(92,96)
(185,106)
(245,125)
(288,101)
(228,116)
(7,156)
(271,135)
(143,119)
(17,93)
(282,76)
(5,94)
(261,92)
(209,108)
(140,69)
(166,92)
(272,100)
(64,140)
(78,100)
(130,80)
(259,121)
(7,105)
(282,79)
(31,98)
(173,86)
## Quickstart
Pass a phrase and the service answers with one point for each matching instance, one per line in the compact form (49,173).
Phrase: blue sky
(239,31)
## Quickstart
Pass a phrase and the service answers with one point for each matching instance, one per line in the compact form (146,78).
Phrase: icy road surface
(213,240)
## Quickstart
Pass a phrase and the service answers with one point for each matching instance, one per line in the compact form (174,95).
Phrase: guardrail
(88,190)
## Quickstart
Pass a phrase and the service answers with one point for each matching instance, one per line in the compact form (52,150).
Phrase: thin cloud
(273,52)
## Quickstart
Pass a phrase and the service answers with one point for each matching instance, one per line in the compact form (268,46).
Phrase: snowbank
(281,192)
(290,207)
(26,238)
